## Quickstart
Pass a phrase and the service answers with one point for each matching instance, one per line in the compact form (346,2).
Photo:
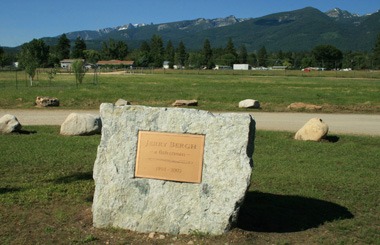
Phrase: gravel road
(359,124)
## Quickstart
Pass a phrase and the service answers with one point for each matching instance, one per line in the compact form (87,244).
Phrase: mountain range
(298,30)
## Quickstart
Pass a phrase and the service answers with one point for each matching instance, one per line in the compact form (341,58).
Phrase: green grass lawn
(214,91)
(301,192)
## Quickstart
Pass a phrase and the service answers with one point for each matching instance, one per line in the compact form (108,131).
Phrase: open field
(346,92)
(301,192)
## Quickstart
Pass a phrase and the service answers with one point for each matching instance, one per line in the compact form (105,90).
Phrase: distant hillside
(298,30)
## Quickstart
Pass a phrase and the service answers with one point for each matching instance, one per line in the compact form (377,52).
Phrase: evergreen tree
(170,53)
(243,54)
(1,57)
(262,57)
(376,52)
(230,48)
(229,53)
(143,57)
(1,52)
(252,59)
(6,59)
(157,51)
(207,54)
(63,47)
(181,54)
(114,50)
(144,47)
(79,48)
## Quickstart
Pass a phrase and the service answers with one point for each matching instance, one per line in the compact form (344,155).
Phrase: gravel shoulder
(357,124)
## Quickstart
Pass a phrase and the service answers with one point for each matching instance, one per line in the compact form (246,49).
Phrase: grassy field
(346,92)
(301,192)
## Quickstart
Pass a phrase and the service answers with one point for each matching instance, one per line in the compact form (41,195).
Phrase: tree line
(153,53)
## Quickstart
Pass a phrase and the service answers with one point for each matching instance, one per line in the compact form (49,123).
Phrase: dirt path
(338,123)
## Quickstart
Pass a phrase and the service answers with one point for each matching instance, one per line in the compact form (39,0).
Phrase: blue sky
(23,20)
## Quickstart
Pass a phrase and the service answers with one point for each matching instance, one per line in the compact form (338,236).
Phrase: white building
(66,63)
(244,67)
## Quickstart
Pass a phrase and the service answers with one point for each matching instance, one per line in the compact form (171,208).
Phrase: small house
(245,67)
(66,63)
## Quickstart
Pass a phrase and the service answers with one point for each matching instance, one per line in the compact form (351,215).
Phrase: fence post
(16,81)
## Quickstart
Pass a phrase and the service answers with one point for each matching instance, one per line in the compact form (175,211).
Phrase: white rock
(122,102)
(185,103)
(249,103)
(314,130)
(9,123)
(81,124)
(151,205)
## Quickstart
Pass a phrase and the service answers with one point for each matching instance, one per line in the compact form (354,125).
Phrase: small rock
(190,243)
(8,124)
(185,103)
(81,124)
(161,237)
(315,129)
(44,101)
(151,235)
(304,106)
(249,103)
(121,102)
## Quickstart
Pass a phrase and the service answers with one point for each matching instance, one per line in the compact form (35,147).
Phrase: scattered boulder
(249,103)
(9,124)
(304,106)
(81,124)
(314,130)
(185,103)
(44,101)
(121,102)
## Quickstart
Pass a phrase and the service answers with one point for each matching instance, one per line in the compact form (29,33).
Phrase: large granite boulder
(9,124)
(314,130)
(148,204)
(81,124)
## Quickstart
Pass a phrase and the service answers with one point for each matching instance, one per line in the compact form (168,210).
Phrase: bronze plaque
(169,156)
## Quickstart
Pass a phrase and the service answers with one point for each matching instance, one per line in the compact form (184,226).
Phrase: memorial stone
(171,170)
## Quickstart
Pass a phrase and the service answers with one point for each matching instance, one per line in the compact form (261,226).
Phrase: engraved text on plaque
(169,156)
